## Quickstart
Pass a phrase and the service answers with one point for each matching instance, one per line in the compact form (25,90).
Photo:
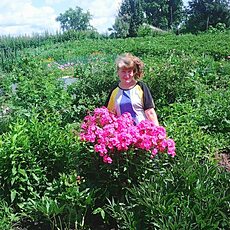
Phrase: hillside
(52,180)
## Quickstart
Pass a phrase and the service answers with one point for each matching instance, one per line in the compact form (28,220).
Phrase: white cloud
(104,13)
(21,17)
(28,16)
(52,2)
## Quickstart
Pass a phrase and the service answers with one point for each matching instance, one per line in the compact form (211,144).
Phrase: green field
(49,179)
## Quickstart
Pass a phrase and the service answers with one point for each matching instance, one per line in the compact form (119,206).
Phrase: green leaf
(13,194)
(101,211)
(14,171)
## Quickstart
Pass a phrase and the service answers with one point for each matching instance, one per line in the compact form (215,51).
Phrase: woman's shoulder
(114,86)
(142,84)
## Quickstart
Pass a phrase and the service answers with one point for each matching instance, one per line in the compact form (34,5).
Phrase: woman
(130,94)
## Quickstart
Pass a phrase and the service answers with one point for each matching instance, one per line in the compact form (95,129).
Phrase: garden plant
(61,169)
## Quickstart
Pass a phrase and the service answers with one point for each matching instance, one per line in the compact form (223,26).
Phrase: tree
(120,29)
(156,13)
(175,13)
(75,19)
(205,13)
(164,14)
(130,17)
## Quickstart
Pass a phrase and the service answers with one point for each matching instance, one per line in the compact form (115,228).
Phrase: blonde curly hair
(127,60)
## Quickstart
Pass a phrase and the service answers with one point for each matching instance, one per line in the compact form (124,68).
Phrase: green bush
(184,196)
(21,175)
(92,87)
(51,180)
(148,30)
(64,205)
(214,110)
(8,219)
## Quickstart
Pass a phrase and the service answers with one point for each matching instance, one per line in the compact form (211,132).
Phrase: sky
(25,17)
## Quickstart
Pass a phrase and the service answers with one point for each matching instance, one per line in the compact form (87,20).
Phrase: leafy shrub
(214,110)
(176,197)
(148,30)
(8,219)
(21,175)
(171,80)
(92,88)
(44,93)
(53,180)
(64,205)
(220,27)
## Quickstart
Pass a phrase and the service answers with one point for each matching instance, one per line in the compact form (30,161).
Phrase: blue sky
(24,17)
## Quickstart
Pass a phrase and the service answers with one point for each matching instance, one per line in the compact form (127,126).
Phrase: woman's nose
(126,74)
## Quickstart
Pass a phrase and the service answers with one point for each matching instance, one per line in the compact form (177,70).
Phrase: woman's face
(126,75)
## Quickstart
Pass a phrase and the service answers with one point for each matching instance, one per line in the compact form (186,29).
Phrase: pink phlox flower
(89,119)
(84,126)
(100,148)
(171,143)
(109,130)
(107,159)
(116,125)
(172,153)
(124,121)
(82,137)
(110,133)
(171,147)
(113,142)
(144,142)
(147,144)
(161,132)
(162,144)
(154,140)
(154,152)
(146,126)
(93,128)
(133,131)
(124,140)
(102,116)
(90,137)
(99,132)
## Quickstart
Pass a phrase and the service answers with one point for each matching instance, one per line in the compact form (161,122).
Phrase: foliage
(49,179)
(15,44)
(44,94)
(130,17)
(120,29)
(8,219)
(74,19)
(148,30)
(181,200)
(163,14)
(203,14)
(175,13)
(64,204)
(12,48)
(219,27)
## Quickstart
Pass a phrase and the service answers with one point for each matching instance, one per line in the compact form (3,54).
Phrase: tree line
(166,15)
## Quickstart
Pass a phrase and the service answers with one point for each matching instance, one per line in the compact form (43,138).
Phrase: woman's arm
(152,116)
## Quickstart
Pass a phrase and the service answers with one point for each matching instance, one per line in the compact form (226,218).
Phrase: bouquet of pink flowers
(110,134)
